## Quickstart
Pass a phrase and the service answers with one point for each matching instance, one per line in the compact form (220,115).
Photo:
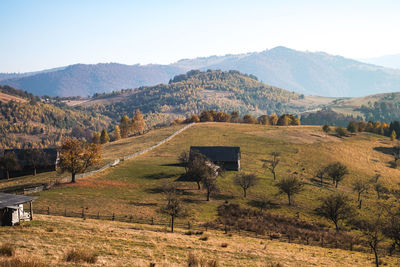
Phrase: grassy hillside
(47,239)
(110,152)
(133,187)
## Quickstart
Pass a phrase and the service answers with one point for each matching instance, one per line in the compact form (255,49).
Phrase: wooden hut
(12,209)
(227,157)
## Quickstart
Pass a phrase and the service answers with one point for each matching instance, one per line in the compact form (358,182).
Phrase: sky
(40,34)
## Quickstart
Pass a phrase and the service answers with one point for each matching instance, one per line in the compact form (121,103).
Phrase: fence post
(189,226)
(65,212)
(48,210)
(130,218)
(152,221)
(98,215)
(113,217)
(83,213)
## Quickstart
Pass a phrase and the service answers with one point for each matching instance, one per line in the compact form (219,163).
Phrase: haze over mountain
(388,61)
(309,73)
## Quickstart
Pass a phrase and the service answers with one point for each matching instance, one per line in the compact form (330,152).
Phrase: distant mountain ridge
(309,73)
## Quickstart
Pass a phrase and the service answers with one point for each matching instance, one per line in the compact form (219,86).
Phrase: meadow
(134,187)
(48,239)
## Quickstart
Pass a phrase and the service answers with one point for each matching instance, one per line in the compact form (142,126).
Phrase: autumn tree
(336,208)
(290,186)
(36,157)
(393,135)
(174,207)
(96,138)
(249,119)
(340,131)
(138,123)
(104,137)
(235,118)
(9,162)
(320,174)
(336,171)
(264,120)
(117,133)
(273,119)
(271,164)
(125,126)
(245,181)
(77,156)
(352,127)
(196,168)
(209,181)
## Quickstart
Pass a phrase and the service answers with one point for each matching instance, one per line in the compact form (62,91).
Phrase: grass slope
(48,238)
(134,186)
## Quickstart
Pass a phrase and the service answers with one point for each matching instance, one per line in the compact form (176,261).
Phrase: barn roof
(218,153)
(7,200)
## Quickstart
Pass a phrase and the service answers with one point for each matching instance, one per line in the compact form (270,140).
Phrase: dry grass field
(48,239)
(5,98)
(133,188)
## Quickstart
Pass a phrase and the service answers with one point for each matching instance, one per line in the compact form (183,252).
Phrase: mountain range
(309,73)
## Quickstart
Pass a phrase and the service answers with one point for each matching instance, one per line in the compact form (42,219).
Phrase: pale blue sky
(41,34)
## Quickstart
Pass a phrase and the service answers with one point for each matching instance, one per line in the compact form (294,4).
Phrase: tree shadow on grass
(160,175)
(263,204)
(385,150)
(223,197)
(172,165)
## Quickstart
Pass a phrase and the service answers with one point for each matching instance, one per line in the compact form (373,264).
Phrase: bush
(204,238)
(224,245)
(194,261)
(7,250)
(16,262)
(76,255)
(340,131)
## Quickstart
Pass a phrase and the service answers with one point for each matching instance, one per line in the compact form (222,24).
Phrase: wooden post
(152,221)
(48,210)
(30,210)
(83,213)
(65,212)
(98,215)
(113,217)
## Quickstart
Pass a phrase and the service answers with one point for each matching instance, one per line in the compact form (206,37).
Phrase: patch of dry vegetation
(124,244)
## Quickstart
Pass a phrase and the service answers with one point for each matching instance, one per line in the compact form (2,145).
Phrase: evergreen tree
(104,138)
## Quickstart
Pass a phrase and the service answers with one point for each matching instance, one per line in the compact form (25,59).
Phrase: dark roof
(7,200)
(218,153)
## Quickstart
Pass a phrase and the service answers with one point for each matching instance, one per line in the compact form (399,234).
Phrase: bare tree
(372,231)
(290,186)
(380,190)
(273,163)
(320,174)
(336,171)
(174,207)
(336,208)
(360,186)
(196,168)
(184,160)
(245,181)
(209,182)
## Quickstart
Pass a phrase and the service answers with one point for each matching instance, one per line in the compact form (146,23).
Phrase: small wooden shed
(12,209)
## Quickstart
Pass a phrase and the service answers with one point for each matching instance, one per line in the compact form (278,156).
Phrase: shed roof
(7,200)
(218,153)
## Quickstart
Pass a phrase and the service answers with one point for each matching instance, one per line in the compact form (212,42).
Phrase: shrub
(7,250)
(194,261)
(224,245)
(204,238)
(16,262)
(76,255)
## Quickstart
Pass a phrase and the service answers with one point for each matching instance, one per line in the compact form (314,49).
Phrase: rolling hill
(303,72)
(133,188)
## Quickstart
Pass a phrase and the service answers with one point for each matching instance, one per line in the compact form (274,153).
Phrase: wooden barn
(12,209)
(228,157)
